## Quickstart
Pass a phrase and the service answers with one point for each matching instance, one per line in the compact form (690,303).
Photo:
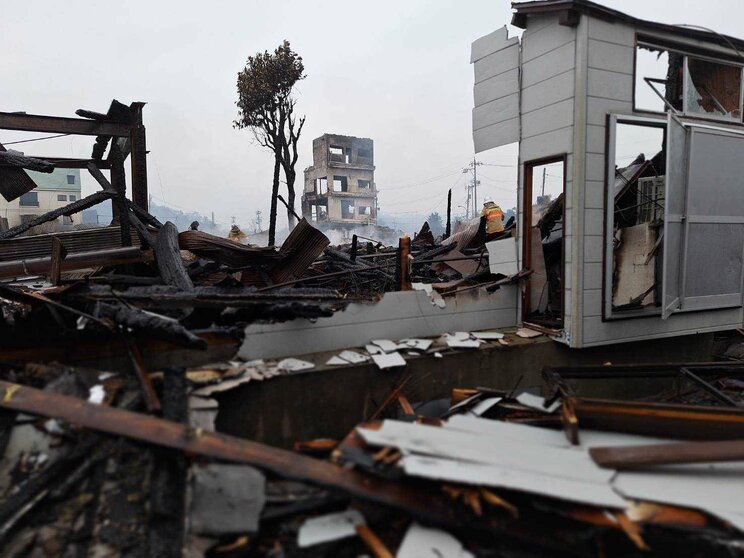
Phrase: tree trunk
(290,176)
(274,194)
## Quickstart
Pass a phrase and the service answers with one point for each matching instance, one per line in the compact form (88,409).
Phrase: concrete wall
(47,202)
(607,69)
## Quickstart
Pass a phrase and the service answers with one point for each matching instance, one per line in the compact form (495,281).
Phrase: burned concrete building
(340,185)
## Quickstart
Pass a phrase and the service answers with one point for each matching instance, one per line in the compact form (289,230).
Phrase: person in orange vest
(494,217)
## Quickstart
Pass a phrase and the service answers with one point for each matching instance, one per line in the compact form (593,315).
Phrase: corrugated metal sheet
(86,240)
(303,245)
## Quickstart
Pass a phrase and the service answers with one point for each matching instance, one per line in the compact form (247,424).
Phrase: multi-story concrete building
(53,190)
(340,186)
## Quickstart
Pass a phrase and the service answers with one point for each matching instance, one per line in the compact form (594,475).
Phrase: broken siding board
(491,43)
(611,57)
(496,87)
(553,63)
(398,315)
(496,63)
(610,85)
(547,92)
(496,135)
(494,112)
(548,119)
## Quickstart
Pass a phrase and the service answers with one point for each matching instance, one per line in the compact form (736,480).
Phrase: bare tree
(266,107)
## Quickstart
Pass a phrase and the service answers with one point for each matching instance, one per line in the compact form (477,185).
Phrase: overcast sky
(396,71)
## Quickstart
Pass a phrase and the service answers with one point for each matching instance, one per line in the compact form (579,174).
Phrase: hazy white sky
(396,71)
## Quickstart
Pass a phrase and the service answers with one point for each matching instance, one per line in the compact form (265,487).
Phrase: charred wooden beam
(59,253)
(138,145)
(140,370)
(60,125)
(17,159)
(403,266)
(168,258)
(143,215)
(69,209)
(170,434)
(118,182)
(168,476)
(159,327)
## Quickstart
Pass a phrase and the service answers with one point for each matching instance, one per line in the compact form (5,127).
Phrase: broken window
(712,89)
(339,154)
(365,210)
(667,79)
(364,184)
(347,209)
(321,186)
(340,184)
(365,154)
(543,248)
(635,218)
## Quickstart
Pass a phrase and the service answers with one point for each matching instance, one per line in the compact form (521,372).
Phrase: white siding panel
(493,42)
(496,111)
(496,87)
(594,194)
(618,33)
(496,63)
(595,166)
(610,85)
(596,138)
(545,145)
(593,275)
(609,56)
(593,222)
(550,64)
(496,135)
(593,251)
(547,119)
(598,109)
(549,91)
(598,332)
(547,39)
(593,302)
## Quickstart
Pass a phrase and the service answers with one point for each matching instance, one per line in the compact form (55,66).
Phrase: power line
(34,139)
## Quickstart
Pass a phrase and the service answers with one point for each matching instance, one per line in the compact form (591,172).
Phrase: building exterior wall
(609,74)
(358,168)
(50,190)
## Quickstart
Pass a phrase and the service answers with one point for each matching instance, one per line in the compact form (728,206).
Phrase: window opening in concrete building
(340,154)
(321,186)
(61,197)
(543,248)
(29,199)
(72,197)
(365,184)
(636,165)
(71,179)
(365,154)
(365,210)
(347,209)
(340,184)
(27,218)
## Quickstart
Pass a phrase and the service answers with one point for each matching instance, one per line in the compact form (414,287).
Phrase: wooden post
(59,252)
(139,158)
(404,255)
(448,230)
(354,243)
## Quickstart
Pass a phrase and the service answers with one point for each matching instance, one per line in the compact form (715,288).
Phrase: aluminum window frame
(610,154)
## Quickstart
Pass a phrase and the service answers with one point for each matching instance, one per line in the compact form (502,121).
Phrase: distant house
(52,191)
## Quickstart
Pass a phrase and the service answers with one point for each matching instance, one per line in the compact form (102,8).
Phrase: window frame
(32,193)
(609,219)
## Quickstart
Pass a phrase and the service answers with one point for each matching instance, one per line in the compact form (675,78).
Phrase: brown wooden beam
(212,445)
(635,457)
(78,260)
(60,125)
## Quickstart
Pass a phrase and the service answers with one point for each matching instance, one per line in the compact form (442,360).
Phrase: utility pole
(545,170)
(472,201)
